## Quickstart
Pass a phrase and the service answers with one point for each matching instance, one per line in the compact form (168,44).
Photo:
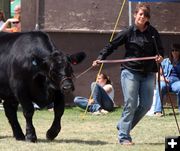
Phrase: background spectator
(102,96)
(13,24)
(171,70)
(2,18)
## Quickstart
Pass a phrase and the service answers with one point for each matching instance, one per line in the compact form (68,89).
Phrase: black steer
(32,70)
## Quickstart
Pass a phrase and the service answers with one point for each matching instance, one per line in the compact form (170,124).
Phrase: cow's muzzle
(66,84)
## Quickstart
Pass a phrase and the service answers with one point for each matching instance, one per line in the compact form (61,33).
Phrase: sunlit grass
(90,132)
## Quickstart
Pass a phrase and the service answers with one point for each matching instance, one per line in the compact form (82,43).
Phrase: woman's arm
(162,78)
(5,28)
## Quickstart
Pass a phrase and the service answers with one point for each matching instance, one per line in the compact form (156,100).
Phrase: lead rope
(84,72)
(117,61)
(101,66)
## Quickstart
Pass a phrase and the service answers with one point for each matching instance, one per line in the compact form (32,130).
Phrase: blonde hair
(18,16)
(17,8)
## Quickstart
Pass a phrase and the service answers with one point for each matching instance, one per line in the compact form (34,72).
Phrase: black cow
(33,70)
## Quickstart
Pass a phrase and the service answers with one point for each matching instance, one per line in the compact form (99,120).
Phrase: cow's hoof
(50,135)
(21,138)
(31,138)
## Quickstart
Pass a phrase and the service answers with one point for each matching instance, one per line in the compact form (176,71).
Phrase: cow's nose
(67,87)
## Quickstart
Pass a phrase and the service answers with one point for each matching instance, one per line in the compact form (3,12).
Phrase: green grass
(82,132)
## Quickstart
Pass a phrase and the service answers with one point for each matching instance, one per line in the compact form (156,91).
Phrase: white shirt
(1,23)
(111,93)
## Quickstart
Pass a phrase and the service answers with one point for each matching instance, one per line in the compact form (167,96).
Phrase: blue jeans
(101,100)
(138,96)
(172,87)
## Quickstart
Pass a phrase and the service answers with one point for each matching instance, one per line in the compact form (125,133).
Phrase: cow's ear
(76,58)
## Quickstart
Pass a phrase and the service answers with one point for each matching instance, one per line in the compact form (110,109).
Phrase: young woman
(102,96)
(137,77)
(171,69)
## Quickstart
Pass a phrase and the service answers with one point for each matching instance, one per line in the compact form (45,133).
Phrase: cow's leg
(22,94)
(58,112)
(10,108)
(28,111)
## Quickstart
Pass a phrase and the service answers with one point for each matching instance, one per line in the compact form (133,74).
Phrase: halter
(65,78)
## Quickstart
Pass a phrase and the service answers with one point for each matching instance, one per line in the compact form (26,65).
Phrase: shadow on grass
(78,141)
(172,114)
(4,137)
(90,142)
(151,144)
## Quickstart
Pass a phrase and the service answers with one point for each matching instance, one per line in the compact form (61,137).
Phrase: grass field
(94,133)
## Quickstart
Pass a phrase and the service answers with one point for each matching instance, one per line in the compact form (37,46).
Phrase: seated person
(102,96)
(2,18)
(171,69)
(13,24)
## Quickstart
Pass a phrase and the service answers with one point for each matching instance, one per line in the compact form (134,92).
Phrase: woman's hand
(159,58)
(162,78)
(90,101)
(96,63)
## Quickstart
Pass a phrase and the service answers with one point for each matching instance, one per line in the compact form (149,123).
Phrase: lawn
(82,132)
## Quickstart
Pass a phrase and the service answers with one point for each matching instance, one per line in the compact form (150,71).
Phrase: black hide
(33,70)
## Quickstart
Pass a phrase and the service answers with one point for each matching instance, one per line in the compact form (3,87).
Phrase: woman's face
(17,10)
(140,18)
(176,54)
(101,81)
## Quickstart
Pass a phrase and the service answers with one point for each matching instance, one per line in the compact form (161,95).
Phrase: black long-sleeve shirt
(137,44)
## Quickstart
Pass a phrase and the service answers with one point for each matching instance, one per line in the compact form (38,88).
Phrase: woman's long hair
(106,77)
(171,56)
(3,16)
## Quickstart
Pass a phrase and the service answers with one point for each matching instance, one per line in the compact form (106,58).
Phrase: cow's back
(25,41)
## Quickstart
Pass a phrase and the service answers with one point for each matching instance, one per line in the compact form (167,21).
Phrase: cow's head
(60,72)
